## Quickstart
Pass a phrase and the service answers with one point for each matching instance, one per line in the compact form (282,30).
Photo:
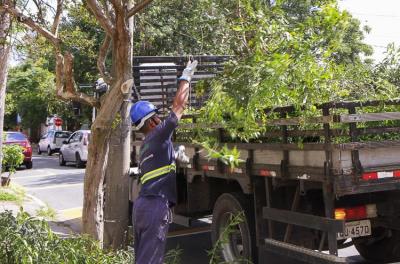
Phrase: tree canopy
(286,55)
(31,94)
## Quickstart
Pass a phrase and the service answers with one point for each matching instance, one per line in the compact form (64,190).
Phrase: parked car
(52,141)
(75,149)
(18,138)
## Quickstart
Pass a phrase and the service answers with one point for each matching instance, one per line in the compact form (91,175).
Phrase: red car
(19,138)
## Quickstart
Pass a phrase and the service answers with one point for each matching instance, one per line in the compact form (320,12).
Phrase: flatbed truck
(305,193)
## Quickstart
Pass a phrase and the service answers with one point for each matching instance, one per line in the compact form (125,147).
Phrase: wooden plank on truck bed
(354,118)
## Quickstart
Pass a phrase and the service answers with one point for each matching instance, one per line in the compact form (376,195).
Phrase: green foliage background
(31,93)
(12,157)
(27,240)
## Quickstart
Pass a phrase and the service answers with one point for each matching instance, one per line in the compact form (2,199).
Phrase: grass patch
(46,212)
(13,193)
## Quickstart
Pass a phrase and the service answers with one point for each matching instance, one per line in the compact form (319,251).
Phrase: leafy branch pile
(288,58)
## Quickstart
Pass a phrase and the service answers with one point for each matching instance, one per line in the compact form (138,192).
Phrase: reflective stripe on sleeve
(157,172)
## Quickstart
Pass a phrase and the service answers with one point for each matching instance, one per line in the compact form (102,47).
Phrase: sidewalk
(63,225)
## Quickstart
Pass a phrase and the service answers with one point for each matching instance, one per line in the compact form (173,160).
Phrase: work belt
(157,173)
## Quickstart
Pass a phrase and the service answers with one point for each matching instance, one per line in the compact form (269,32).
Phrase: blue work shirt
(157,151)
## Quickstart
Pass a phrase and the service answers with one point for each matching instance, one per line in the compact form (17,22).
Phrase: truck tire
(241,242)
(38,150)
(383,247)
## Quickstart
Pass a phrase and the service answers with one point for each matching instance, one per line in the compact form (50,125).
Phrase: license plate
(356,229)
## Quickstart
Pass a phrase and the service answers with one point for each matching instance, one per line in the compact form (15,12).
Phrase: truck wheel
(38,150)
(383,247)
(239,243)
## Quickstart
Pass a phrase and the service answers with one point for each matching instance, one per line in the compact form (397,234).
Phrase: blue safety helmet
(140,112)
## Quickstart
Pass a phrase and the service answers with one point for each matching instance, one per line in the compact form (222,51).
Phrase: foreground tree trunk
(108,159)
(114,222)
(116,208)
(5,50)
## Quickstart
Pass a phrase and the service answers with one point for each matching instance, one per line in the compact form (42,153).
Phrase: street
(62,189)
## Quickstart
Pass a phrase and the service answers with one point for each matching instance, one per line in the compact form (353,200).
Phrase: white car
(75,149)
(52,141)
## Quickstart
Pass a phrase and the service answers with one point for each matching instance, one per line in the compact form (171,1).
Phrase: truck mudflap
(301,253)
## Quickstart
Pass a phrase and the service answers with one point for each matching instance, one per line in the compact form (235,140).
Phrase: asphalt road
(62,189)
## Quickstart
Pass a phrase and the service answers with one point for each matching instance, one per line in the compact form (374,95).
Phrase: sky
(382,16)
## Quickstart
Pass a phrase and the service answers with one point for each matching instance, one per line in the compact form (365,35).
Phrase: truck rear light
(374,175)
(235,170)
(356,213)
(267,173)
(208,168)
(370,176)
(340,214)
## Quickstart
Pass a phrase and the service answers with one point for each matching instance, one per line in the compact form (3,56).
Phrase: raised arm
(182,95)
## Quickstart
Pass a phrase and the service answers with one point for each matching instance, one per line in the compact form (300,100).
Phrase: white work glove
(180,154)
(188,72)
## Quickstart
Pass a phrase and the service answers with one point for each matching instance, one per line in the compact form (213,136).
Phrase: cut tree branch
(57,17)
(101,16)
(65,83)
(33,25)
(101,65)
(139,7)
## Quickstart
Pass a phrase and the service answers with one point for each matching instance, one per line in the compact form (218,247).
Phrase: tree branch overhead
(101,16)
(139,7)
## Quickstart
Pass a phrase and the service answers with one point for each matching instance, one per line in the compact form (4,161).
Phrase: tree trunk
(5,50)
(108,159)
(116,200)
(116,210)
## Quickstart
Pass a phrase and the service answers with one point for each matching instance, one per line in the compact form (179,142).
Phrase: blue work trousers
(151,217)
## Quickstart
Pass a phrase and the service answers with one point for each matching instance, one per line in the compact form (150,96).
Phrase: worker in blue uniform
(157,172)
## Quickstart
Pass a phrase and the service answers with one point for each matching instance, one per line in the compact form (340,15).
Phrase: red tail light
(27,148)
(208,168)
(356,213)
(370,176)
(396,173)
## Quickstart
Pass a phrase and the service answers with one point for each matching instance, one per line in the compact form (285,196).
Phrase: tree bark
(116,208)
(114,156)
(5,50)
